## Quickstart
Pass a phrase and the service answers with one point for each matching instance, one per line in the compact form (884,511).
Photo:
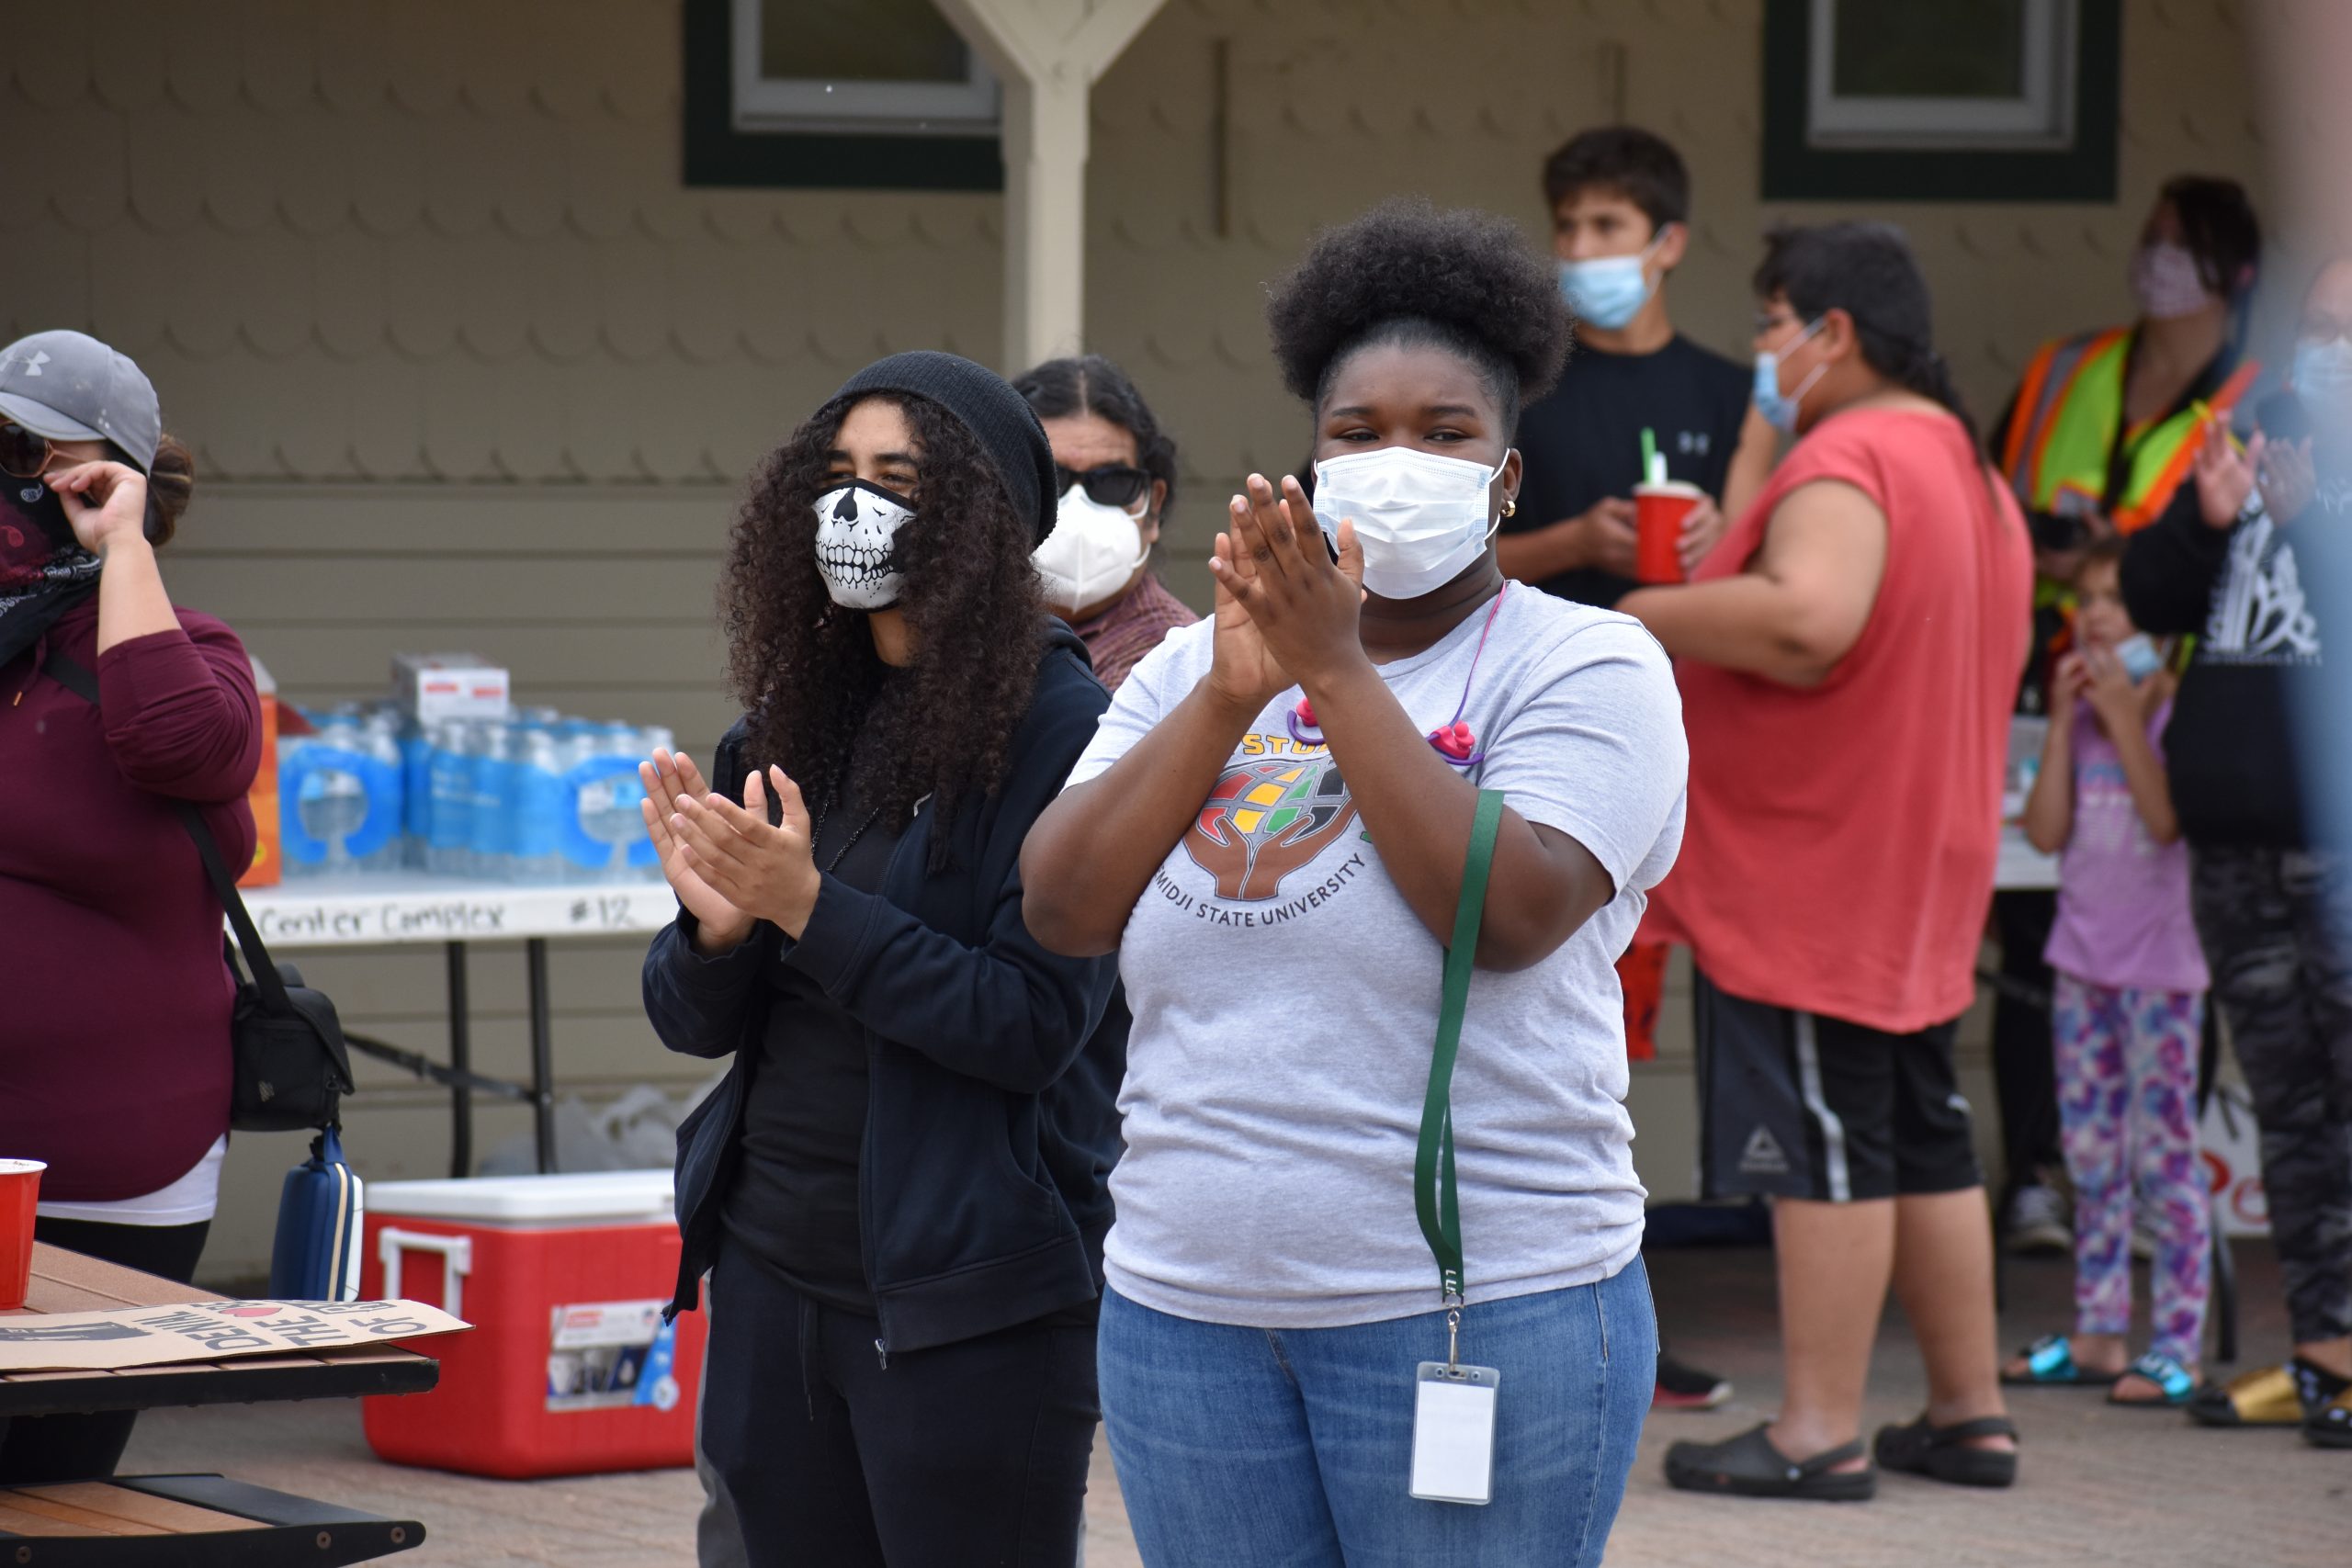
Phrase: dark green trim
(718,154)
(2086,171)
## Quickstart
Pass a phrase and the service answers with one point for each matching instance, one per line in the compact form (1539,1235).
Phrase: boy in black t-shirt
(1621,201)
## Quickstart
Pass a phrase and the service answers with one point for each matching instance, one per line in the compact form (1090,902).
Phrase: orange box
(269,862)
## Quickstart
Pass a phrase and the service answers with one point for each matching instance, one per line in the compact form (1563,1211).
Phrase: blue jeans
(1255,1447)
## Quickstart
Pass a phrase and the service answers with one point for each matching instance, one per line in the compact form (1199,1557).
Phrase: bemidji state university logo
(1265,819)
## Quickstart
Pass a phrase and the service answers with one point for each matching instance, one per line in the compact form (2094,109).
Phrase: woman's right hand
(1243,672)
(667,777)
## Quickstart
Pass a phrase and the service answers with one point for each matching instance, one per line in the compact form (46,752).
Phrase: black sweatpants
(960,1456)
(37,1449)
(2276,926)
(2025,1072)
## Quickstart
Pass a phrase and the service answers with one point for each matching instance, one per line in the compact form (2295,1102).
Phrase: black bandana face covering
(43,569)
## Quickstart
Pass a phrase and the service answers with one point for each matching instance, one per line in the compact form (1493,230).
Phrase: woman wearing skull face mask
(1117,472)
(1287,793)
(114,1044)
(899,1181)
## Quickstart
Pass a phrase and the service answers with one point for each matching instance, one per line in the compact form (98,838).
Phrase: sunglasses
(1113,484)
(24,455)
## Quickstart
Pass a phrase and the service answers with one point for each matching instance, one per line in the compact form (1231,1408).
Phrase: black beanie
(984,402)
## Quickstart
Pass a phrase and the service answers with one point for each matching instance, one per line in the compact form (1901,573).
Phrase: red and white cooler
(568,1369)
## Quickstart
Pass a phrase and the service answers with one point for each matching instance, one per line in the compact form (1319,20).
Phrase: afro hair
(1406,272)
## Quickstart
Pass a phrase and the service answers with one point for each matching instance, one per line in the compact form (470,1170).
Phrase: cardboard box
(435,686)
(269,866)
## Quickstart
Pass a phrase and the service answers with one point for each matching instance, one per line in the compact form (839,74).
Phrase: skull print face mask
(857,523)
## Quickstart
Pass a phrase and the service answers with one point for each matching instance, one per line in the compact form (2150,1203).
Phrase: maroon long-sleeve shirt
(114,998)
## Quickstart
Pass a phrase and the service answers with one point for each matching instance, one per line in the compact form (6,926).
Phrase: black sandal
(1750,1466)
(1941,1453)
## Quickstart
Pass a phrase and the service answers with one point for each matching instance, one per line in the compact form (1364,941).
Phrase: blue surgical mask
(2323,377)
(1779,410)
(1609,291)
(2139,657)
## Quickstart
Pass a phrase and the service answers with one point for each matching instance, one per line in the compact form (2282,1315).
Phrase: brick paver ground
(2101,1485)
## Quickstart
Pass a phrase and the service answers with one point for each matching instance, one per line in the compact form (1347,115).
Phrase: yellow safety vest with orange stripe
(2067,432)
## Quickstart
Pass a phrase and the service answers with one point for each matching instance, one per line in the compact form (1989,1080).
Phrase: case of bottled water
(341,788)
(533,797)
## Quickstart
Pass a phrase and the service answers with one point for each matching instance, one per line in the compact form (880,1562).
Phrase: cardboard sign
(207,1331)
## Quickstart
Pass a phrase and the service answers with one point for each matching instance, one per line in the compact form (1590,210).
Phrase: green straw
(1649,453)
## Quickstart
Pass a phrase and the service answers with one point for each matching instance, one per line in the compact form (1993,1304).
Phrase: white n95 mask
(857,524)
(1091,552)
(1420,519)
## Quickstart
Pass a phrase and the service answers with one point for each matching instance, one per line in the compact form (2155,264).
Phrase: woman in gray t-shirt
(1271,826)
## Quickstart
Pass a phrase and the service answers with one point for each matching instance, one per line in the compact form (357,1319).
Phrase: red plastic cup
(1659,514)
(19,1190)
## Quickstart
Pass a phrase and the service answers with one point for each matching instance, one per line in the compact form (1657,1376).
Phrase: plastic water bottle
(449,813)
(493,817)
(537,802)
(386,785)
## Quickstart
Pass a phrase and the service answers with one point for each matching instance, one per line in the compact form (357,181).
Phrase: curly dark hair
(819,702)
(1406,272)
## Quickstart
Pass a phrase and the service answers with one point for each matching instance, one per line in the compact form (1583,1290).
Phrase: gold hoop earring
(1511,507)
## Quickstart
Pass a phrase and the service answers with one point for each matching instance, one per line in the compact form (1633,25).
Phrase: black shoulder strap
(69,674)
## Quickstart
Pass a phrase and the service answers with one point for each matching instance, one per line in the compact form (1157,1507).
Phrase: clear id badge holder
(1454,1426)
(1453,1403)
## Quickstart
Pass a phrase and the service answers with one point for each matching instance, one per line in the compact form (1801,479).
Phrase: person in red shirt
(1847,658)
(114,1044)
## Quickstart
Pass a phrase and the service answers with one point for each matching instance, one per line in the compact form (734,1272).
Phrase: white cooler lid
(619,1197)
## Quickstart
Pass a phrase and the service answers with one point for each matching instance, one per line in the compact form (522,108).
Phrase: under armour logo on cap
(32,365)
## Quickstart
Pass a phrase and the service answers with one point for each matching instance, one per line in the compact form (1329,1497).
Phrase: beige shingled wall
(466,367)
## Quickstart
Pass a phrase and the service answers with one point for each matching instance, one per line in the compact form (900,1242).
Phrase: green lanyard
(1441,1213)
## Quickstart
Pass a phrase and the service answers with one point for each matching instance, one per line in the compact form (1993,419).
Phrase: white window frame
(901,108)
(2041,118)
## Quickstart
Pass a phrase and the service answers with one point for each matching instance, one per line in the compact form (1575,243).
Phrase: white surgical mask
(2165,280)
(1093,551)
(1420,519)
(857,524)
(1609,291)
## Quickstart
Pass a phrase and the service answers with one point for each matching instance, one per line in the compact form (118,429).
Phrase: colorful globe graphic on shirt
(1265,819)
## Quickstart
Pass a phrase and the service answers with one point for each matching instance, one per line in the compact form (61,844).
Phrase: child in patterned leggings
(2128,1006)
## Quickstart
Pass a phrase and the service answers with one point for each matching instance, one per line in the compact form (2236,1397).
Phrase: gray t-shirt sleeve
(1594,746)
(1141,701)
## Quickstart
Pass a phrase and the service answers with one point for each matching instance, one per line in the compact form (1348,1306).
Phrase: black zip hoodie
(2262,616)
(992,1064)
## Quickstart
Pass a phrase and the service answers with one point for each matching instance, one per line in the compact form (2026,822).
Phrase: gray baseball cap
(69,387)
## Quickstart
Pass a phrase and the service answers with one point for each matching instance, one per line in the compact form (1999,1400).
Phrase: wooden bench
(187,1521)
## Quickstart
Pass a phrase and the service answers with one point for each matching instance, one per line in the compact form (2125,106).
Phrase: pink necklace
(1454,741)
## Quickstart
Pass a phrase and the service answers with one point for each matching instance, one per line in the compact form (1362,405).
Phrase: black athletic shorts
(1795,1105)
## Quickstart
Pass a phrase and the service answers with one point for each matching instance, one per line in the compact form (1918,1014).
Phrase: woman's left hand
(765,869)
(106,502)
(2287,479)
(1304,604)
